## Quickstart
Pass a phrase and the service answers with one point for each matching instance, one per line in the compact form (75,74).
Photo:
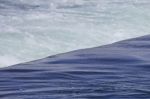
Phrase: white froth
(29,31)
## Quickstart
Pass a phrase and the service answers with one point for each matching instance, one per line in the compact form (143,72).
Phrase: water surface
(117,71)
(33,29)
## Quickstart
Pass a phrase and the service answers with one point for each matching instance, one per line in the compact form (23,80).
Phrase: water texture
(34,29)
(115,71)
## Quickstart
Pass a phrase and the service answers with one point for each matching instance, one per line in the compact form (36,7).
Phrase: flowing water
(33,29)
(117,71)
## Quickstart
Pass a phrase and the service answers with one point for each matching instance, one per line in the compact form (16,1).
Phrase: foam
(49,27)
(8,60)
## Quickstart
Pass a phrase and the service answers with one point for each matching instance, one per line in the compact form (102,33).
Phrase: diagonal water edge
(30,31)
(115,71)
(15,62)
(137,40)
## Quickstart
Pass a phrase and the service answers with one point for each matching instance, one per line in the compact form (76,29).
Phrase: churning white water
(33,29)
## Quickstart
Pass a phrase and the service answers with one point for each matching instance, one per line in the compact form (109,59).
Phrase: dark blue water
(117,71)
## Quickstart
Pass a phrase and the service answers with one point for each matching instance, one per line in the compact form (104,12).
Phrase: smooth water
(33,29)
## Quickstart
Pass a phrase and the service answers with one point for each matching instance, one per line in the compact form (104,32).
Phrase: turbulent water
(33,29)
(117,71)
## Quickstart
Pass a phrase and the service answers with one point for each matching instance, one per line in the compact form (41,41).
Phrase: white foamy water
(34,29)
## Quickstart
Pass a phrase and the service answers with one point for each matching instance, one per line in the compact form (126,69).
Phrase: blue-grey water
(34,29)
(117,71)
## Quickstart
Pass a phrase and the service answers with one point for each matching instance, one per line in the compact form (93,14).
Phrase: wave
(115,71)
(34,29)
